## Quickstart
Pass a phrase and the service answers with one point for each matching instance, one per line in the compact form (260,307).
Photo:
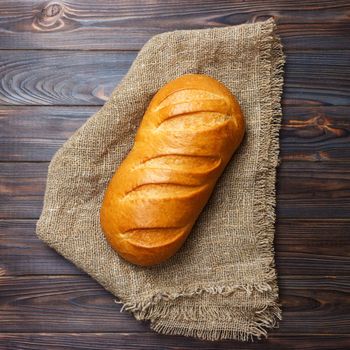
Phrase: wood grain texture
(22,253)
(88,78)
(315,134)
(152,341)
(87,24)
(79,304)
(303,247)
(34,133)
(61,77)
(59,62)
(305,190)
(315,187)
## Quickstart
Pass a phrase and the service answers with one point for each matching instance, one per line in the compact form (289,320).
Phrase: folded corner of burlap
(222,284)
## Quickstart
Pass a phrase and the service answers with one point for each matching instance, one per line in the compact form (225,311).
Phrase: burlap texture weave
(222,283)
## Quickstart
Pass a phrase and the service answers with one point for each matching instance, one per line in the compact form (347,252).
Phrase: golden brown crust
(188,134)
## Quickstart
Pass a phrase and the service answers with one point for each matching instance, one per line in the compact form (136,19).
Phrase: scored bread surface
(188,134)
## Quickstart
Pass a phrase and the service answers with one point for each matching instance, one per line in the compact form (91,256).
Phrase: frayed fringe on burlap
(263,319)
(198,313)
(271,84)
(165,317)
(272,61)
(143,309)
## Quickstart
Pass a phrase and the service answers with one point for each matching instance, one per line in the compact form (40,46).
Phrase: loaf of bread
(187,136)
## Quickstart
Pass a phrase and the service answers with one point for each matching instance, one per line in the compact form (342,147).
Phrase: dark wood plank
(303,247)
(35,133)
(88,78)
(312,247)
(22,189)
(315,78)
(315,134)
(130,341)
(313,181)
(305,190)
(57,123)
(321,234)
(313,190)
(62,304)
(87,25)
(22,253)
(32,133)
(61,77)
(79,304)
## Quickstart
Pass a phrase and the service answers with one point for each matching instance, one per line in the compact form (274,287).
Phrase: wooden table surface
(59,63)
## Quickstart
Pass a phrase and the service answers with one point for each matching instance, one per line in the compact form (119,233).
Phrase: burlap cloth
(222,283)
